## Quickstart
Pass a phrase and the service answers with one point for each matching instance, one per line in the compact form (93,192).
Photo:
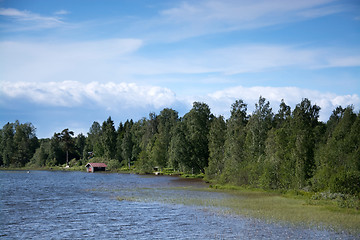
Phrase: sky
(65,64)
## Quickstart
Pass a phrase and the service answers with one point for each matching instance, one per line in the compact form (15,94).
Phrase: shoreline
(292,207)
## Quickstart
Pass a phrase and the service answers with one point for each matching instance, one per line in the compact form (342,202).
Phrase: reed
(291,208)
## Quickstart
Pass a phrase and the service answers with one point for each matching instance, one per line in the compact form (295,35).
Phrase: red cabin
(94,167)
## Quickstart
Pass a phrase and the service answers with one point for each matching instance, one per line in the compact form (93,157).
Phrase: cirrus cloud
(26,20)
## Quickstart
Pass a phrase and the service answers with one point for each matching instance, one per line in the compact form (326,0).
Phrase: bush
(113,164)
(347,183)
(342,200)
(74,163)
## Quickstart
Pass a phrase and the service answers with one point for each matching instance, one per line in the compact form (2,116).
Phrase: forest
(290,149)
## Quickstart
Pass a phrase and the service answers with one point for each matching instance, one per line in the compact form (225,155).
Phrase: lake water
(79,205)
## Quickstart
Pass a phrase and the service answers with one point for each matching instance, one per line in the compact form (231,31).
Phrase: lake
(79,205)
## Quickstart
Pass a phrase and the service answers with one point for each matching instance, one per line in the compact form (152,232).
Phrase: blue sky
(65,64)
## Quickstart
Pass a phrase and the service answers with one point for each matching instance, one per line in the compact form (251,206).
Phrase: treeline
(290,149)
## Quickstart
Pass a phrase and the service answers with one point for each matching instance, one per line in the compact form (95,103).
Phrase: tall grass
(291,208)
(288,208)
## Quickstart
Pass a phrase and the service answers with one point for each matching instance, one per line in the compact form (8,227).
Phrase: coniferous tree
(259,124)
(57,156)
(179,149)
(80,142)
(108,139)
(7,143)
(93,141)
(119,140)
(197,123)
(127,143)
(41,155)
(25,142)
(338,156)
(144,134)
(65,137)
(234,144)
(160,151)
(278,171)
(304,120)
(217,136)
(257,129)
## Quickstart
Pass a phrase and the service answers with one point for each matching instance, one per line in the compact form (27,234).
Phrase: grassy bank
(294,207)
(297,210)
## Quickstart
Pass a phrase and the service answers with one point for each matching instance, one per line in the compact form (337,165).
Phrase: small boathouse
(94,167)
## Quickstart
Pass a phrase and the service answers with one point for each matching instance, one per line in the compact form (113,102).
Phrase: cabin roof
(96,165)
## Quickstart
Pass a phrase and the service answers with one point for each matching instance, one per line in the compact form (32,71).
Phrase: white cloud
(291,95)
(132,98)
(111,96)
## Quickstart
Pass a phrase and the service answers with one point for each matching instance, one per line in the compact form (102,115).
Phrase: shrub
(346,182)
(113,164)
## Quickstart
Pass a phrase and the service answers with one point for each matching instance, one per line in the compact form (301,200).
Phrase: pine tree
(304,121)
(197,123)
(234,144)
(217,135)
(108,139)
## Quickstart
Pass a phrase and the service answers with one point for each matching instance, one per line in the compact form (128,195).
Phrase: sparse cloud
(344,61)
(244,10)
(321,11)
(196,18)
(61,12)
(43,61)
(115,59)
(26,20)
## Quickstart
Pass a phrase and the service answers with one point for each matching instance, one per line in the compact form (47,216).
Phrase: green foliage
(108,139)
(18,144)
(338,158)
(289,150)
(197,123)
(216,147)
(127,144)
(41,156)
(93,143)
(345,182)
(342,200)
(67,142)
(113,164)
(179,154)
(257,128)
(234,145)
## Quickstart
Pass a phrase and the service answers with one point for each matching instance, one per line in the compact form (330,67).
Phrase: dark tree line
(290,149)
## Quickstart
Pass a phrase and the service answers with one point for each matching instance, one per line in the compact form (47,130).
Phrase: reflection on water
(77,205)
